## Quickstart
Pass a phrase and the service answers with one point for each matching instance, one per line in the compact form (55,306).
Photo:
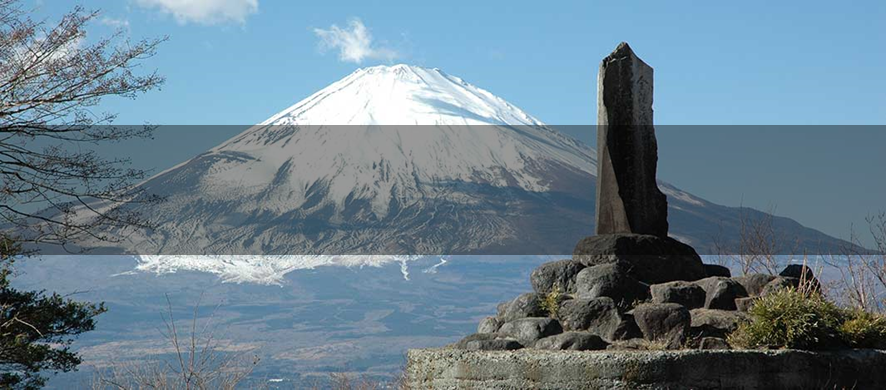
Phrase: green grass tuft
(804,319)
(793,319)
(864,330)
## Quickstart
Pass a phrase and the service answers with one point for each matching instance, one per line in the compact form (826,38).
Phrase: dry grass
(551,302)
(847,312)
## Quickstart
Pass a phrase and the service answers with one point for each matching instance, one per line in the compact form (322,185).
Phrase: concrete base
(446,368)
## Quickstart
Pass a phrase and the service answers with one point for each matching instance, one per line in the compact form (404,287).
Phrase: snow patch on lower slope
(261,269)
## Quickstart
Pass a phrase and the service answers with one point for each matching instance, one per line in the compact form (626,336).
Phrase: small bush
(864,330)
(790,318)
(551,302)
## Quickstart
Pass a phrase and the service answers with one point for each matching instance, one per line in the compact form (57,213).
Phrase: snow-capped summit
(402,95)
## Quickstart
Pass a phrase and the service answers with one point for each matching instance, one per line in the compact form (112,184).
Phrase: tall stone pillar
(628,198)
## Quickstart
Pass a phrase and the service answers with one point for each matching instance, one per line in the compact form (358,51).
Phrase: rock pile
(630,286)
(576,306)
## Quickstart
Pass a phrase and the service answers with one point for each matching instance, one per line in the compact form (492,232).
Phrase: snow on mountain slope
(369,119)
(387,164)
(382,138)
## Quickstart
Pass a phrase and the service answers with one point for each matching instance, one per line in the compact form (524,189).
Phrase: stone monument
(628,198)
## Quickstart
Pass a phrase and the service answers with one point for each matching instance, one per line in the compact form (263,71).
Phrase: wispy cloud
(354,43)
(204,11)
(121,24)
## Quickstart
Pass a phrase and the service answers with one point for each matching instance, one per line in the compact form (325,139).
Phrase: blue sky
(717,63)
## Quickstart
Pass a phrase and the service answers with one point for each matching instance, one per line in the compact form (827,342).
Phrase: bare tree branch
(54,189)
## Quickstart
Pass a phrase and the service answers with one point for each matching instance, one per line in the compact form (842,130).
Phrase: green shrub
(789,318)
(864,330)
(551,302)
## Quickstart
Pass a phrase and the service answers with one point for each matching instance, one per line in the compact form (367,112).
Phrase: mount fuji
(389,163)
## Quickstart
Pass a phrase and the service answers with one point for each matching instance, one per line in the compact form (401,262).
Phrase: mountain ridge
(392,161)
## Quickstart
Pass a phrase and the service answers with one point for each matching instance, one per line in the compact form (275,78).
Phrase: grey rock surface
(715,323)
(572,341)
(600,316)
(489,325)
(523,306)
(779,283)
(744,304)
(628,197)
(662,321)
(583,313)
(558,275)
(529,330)
(611,280)
(687,294)
(652,259)
(647,370)
(754,283)
(713,343)
(721,292)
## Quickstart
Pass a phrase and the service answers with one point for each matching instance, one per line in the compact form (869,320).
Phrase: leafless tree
(759,248)
(761,243)
(198,361)
(53,184)
(863,273)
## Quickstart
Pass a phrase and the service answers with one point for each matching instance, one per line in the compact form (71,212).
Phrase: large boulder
(524,306)
(687,294)
(489,325)
(754,283)
(715,323)
(802,273)
(600,316)
(721,292)
(556,275)
(613,280)
(663,321)
(529,330)
(653,259)
(572,341)
(798,271)
(717,270)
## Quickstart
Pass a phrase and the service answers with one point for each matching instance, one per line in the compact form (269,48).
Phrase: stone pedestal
(537,369)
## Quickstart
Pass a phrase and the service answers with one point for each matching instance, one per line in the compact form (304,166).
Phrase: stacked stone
(609,305)
(630,285)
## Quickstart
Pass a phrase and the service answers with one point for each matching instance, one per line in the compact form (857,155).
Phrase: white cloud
(353,42)
(205,11)
(38,48)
